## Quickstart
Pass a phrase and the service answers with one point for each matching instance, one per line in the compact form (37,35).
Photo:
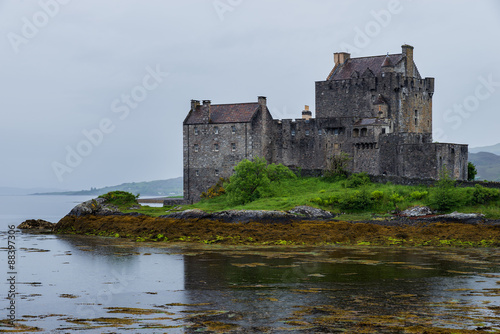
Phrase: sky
(94,93)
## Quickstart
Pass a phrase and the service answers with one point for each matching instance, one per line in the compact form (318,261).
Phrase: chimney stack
(306,114)
(408,54)
(341,57)
(206,111)
(262,102)
(194,104)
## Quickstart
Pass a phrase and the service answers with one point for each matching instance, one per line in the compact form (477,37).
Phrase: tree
(444,196)
(253,180)
(338,166)
(471,171)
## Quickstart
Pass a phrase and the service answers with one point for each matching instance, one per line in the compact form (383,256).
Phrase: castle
(377,110)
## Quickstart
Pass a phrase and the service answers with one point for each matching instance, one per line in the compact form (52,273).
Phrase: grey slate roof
(224,113)
(360,65)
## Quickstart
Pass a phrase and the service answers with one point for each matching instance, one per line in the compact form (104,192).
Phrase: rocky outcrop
(469,218)
(416,211)
(245,216)
(95,206)
(36,224)
(310,212)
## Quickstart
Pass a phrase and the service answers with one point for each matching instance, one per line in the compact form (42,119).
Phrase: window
(320,132)
(196,131)
(197,173)
(216,172)
(216,147)
(336,131)
(293,133)
(355,133)
(383,130)
(233,147)
(364,132)
(307,132)
(216,130)
(196,147)
(416,117)
(233,129)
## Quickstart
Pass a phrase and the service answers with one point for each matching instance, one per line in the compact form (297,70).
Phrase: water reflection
(89,283)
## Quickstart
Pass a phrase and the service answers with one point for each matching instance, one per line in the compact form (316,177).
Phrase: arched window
(355,133)
(364,131)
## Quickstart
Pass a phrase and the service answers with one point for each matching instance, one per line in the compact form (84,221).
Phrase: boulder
(36,224)
(416,211)
(95,206)
(310,212)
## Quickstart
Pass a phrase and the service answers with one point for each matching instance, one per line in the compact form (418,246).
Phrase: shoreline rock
(261,216)
(36,224)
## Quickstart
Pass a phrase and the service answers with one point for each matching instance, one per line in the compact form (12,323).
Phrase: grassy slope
(319,193)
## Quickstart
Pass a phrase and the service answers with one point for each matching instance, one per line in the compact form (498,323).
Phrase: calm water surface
(103,285)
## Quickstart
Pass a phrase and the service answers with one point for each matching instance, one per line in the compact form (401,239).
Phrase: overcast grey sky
(129,68)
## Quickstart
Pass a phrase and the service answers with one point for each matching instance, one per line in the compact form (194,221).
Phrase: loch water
(68,284)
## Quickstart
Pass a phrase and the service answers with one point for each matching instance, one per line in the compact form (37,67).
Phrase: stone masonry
(378,110)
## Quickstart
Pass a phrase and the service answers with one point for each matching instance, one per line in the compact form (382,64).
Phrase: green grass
(366,202)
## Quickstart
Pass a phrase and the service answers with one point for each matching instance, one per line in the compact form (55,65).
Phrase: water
(104,285)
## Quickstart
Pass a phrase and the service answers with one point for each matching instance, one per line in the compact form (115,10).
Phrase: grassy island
(366,213)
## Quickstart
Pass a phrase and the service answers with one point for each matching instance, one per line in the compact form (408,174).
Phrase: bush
(254,179)
(216,190)
(377,195)
(357,180)
(121,198)
(418,195)
(358,200)
(444,196)
(482,195)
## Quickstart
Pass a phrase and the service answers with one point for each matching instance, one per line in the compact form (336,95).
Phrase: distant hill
(11,191)
(495,149)
(164,188)
(487,165)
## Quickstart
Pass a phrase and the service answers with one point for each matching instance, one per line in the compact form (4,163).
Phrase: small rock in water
(36,224)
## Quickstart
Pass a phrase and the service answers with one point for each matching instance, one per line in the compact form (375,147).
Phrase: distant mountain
(487,165)
(166,188)
(495,149)
(11,191)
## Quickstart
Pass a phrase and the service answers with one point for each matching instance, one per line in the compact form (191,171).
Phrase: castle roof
(224,113)
(354,66)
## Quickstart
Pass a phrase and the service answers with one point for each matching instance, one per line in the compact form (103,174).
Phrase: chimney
(408,54)
(340,57)
(306,114)
(262,102)
(206,110)
(194,104)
